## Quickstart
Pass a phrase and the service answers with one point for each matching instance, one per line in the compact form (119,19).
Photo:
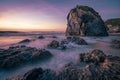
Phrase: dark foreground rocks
(115,44)
(83,20)
(98,66)
(14,56)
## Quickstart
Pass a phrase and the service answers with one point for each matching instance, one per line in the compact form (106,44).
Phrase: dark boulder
(33,74)
(37,74)
(15,56)
(96,56)
(79,41)
(41,37)
(25,41)
(83,20)
(53,44)
(54,36)
(76,40)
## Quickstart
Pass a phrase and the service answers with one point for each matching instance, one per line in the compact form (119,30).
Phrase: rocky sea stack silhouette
(84,20)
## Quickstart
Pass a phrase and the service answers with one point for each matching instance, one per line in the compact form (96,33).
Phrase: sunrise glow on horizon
(47,15)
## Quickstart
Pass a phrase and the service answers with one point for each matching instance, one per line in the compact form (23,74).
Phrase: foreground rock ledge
(14,56)
(98,67)
(83,20)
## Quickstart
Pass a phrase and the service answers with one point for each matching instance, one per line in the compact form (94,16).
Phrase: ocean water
(60,57)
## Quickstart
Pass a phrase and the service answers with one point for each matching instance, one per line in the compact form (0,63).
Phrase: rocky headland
(84,20)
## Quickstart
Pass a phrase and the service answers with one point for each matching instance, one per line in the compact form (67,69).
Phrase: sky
(48,15)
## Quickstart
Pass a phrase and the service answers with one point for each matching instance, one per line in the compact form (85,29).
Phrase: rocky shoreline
(98,67)
(17,55)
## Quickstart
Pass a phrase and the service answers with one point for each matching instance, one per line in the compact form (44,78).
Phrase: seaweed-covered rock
(83,20)
(15,56)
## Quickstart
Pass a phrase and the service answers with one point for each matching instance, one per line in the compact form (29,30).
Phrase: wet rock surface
(41,37)
(83,20)
(25,41)
(74,39)
(64,44)
(107,68)
(14,56)
(115,44)
(53,44)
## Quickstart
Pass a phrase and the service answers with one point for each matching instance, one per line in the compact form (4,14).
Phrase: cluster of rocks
(83,20)
(77,40)
(63,44)
(14,56)
(115,44)
(98,67)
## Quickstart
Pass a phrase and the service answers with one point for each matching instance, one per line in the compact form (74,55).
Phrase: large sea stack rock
(83,20)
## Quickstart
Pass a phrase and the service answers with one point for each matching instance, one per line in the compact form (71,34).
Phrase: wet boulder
(36,74)
(54,36)
(79,41)
(33,74)
(54,44)
(96,56)
(41,37)
(115,44)
(70,73)
(15,56)
(76,40)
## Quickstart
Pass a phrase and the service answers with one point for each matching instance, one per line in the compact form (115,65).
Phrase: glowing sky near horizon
(48,15)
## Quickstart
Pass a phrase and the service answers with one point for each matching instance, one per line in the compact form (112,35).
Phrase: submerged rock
(115,44)
(25,41)
(15,56)
(54,36)
(83,20)
(41,37)
(53,44)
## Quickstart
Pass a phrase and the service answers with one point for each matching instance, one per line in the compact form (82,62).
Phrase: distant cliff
(83,20)
(113,25)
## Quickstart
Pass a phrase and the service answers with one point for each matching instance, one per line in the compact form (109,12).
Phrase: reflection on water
(6,41)
(60,58)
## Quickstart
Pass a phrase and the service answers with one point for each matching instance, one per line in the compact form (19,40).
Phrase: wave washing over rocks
(98,66)
(57,57)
